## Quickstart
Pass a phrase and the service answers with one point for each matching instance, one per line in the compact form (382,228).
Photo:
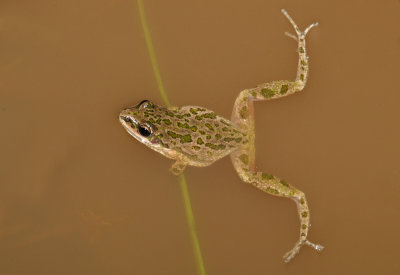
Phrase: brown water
(80,196)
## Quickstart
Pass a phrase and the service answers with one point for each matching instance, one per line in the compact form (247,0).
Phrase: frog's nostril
(126,119)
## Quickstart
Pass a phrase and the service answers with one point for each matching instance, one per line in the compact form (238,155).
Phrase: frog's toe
(300,34)
(317,247)
(290,255)
(177,168)
(175,171)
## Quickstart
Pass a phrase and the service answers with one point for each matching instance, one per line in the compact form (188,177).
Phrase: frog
(197,136)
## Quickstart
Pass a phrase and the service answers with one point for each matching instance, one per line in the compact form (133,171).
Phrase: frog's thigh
(178,167)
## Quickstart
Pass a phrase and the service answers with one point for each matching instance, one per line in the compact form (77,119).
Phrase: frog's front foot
(300,34)
(177,168)
(290,255)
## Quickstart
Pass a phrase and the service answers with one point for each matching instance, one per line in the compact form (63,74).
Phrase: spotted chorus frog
(197,136)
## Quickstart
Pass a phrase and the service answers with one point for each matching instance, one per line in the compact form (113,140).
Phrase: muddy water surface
(79,195)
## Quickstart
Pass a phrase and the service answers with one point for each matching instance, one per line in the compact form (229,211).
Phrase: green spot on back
(169,113)
(304,214)
(186,138)
(215,147)
(193,111)
(301,50)
(302,77)
(173,134)
(186,126)
(193,128)
(284,89)
(200,141)
(182,125)
(208,125)
(225,122)
(229,139)
(209,115)
(167,121)
(218,136)
(267,93)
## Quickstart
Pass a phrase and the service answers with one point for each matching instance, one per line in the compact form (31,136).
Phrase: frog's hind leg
(244,158)
(275,89)
(277,187)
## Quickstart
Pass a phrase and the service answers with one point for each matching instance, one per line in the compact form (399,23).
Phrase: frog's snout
(125,118)
(126,115)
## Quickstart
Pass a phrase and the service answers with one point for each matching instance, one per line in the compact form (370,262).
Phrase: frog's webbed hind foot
(295,250)
(300,34)
(177,168)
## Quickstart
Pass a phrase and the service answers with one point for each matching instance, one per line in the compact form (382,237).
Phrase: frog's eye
(144,104)
(144,130)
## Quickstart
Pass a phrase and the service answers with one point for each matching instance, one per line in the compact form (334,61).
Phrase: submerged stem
(183,185)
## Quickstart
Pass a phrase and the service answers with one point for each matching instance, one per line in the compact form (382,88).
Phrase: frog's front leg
(277,187)
(178,167)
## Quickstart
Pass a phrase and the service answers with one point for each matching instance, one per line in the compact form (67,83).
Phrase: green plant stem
(183,185)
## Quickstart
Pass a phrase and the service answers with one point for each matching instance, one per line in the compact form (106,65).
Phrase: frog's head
(140,122)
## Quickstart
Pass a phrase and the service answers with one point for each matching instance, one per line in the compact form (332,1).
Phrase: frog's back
(199,135)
